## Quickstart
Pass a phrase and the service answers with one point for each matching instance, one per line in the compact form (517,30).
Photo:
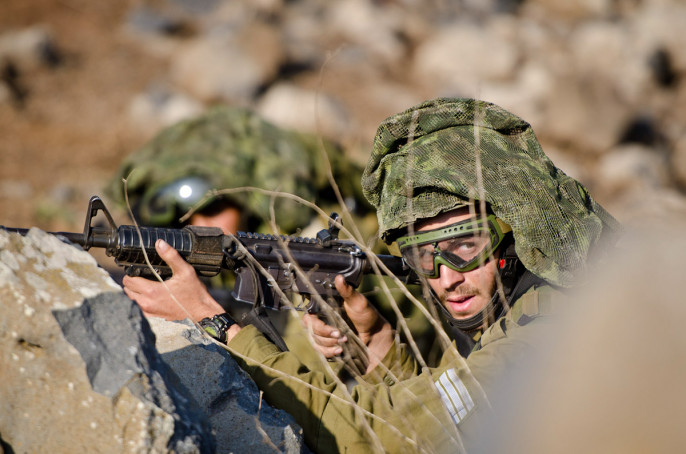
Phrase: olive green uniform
(436,410)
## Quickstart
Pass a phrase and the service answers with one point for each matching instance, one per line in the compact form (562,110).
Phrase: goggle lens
(459,253)
(463,251)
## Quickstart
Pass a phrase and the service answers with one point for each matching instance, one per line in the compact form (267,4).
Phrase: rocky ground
(84,83)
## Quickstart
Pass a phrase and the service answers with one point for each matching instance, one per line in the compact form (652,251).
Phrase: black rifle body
(262,263)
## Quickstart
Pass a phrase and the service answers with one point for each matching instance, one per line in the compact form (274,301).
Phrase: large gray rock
(242,421)
(81,371)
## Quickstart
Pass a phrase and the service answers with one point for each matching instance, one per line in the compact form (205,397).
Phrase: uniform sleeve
(336,420)
(396,366)
(286,382)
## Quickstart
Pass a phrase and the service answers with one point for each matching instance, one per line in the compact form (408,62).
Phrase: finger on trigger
(318,326)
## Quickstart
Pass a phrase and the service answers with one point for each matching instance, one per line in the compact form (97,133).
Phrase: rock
(16,189)
(227,64)
(655,23)
(657,205)
(29,48)
(458,58)
(525,94)
(78,361)
(159,107)
(373,29)
(632,166)
(5,93)
(570,11)
(80,365)
(296,108)
(608,54)
(144,19)
(574,111)
(241,420)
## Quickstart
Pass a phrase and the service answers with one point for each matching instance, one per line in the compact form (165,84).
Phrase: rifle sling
(258,317)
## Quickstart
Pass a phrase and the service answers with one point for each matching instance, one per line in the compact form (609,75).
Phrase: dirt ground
(63,140)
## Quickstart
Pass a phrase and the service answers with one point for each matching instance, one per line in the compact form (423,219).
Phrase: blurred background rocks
(82,84)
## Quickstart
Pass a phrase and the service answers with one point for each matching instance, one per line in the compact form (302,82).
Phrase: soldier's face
(463,294)
(228,219)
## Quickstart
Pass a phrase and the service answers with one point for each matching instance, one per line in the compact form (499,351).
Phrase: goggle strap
(460,228)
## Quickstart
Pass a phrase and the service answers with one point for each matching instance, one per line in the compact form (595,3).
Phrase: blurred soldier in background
(230,147)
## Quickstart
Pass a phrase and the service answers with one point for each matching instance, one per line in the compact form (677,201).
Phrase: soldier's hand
(182,296)
(372,329)
(327,339)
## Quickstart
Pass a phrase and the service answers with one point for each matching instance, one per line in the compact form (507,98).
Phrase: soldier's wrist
(232,332)
(218,326)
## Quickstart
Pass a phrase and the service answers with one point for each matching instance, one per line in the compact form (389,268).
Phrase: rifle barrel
(97,239)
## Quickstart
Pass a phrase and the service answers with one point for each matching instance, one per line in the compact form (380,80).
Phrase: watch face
(217,326)
(210,328)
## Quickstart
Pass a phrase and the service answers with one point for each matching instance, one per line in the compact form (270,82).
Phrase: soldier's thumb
(169,255)
(353,299)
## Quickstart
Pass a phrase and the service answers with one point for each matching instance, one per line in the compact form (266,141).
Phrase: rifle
(287,264)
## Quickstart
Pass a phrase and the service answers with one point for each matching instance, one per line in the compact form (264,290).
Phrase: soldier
(231,147)
(497,232)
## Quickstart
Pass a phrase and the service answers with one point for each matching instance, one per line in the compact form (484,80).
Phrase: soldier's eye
(465,247)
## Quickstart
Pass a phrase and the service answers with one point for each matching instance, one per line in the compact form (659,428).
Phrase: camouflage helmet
(227,147)
(448,152)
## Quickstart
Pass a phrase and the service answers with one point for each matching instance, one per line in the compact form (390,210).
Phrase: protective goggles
(462,246)
(164,205)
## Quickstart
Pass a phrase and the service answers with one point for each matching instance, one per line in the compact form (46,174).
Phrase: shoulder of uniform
(536,302)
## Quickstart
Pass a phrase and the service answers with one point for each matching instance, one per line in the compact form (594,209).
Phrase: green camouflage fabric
(447,152)
(232,147)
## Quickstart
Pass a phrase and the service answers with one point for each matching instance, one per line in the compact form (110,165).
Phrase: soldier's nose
(448,277)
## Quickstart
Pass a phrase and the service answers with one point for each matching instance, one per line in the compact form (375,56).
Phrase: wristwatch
(217,326)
